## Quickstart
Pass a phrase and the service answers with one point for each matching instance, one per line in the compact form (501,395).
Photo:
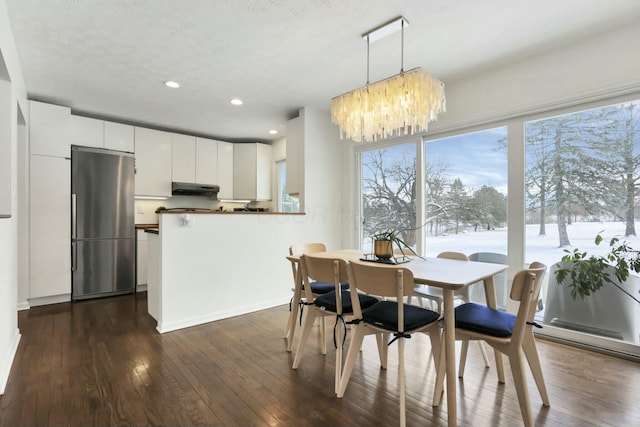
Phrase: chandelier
(399,105)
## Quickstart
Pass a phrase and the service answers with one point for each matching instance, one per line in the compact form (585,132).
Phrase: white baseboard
(141,287)
(55,299)
(7,360)
(23,305)
(211,317)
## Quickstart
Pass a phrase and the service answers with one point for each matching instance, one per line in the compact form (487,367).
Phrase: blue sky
(476,158)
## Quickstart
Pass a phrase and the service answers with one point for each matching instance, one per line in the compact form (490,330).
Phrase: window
(286,203)
(582,179)
(388,191)
(466,193)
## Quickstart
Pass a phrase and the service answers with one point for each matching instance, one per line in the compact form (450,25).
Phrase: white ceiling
(110,58)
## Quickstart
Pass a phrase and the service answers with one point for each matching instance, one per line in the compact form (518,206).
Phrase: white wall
(9,333)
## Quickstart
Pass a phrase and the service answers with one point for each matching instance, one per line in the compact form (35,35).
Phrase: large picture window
(582,179)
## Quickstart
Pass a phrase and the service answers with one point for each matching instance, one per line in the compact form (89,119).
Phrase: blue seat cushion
(328,302)
(320,288)
(385,315)
(482,319)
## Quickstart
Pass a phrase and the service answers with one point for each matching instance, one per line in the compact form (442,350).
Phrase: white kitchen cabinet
(141,258)
(86,132)
(183,149)
(295,156)
(153,162)
(50,226)
(118,137)
(49,129)
(225,170)
(252,171)
(206,161)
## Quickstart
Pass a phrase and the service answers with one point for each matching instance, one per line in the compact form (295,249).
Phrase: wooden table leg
(450,356)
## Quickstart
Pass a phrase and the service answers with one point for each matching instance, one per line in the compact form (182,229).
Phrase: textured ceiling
(110,58)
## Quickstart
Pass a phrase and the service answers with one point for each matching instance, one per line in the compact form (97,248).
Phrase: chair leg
(516,360)
(531,352)
(354,348)
(382,339)
(401,385)
(484,354)
(307,324)
(338,357)
(323,333)
(440,372)
(463,357)
(291,326)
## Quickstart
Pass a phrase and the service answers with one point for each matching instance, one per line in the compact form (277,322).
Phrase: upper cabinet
(86,131)
(90,132)
(295,156)
(153,162)
(225,170)
(49,129)
(206,161)
(195,160)
(183,149)
(118,137)
(252,171)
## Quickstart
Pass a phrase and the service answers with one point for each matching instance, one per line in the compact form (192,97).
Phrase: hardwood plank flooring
(101,362)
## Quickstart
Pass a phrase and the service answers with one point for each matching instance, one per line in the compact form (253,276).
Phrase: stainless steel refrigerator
(102,223)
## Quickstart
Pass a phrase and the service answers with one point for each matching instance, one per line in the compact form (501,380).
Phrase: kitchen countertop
(207,212)
(145,226)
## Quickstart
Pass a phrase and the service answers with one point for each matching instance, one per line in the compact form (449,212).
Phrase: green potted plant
(587,273)
(384,242)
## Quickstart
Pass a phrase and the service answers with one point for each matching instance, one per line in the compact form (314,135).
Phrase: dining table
(449,275)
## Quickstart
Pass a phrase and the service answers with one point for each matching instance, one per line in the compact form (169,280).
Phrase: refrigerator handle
(73,216)
(74,255)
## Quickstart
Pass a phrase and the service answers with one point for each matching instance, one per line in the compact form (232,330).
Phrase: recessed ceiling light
(172,84)
(273,132)
(236,101)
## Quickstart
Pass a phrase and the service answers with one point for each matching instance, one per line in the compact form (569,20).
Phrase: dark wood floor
(101,362)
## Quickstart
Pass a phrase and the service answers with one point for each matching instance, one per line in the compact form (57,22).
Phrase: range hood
(190,189)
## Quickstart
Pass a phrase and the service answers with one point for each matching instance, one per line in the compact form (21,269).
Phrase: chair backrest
(522,289)
(453,255)
(323,269)
(380,280)
(307,248)
(539,270)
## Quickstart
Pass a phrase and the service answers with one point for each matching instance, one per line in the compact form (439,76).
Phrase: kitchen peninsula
(206,266)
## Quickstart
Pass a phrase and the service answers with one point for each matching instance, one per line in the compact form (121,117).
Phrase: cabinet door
(86,132)
(295,156)
(118,137)
(244,171)
(153,162)
(263,171)
(183,148)
(225,170)
(49,129)
(206,161)
(50,226)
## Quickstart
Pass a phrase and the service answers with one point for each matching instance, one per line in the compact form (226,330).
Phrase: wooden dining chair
(336,303)
(317,289)
(510,334)
(387,317)
(435,295)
